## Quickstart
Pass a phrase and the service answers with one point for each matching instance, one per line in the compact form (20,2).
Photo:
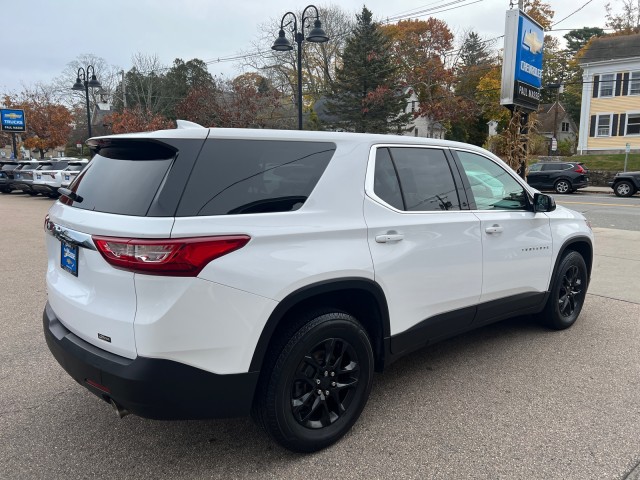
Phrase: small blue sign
(12,120)
(529,53)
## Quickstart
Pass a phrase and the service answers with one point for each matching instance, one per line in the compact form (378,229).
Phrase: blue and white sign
(12,120)
(522,64)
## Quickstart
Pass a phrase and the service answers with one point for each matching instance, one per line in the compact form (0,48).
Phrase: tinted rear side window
(254,176)
(122,180)
(426,179)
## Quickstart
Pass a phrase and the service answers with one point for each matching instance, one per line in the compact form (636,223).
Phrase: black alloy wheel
(315,381)
(325,383)
(568,292)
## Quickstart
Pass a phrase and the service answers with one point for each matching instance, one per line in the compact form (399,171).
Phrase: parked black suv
(6,175)
(563,177)
(625,184)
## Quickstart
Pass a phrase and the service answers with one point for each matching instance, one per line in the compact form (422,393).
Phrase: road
(605,210)
(512,400)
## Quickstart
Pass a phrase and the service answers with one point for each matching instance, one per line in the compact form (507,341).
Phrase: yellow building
(610,111)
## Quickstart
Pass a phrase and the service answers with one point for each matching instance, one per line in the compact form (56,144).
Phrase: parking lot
(512,400)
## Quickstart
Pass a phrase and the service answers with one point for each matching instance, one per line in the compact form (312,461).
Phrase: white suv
(47,178)
(206,273)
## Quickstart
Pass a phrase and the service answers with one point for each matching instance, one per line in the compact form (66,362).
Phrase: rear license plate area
(69,258)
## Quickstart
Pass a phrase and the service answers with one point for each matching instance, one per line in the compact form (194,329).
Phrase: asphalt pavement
(511,400)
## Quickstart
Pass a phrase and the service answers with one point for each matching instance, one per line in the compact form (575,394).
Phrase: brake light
(180,257)
(579,169)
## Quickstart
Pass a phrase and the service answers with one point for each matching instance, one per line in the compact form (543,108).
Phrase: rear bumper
(148,387)
(25,187)
(41,188)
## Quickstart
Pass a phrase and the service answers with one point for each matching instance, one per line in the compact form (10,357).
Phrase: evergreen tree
(368,95)
(576,39)
(476,59)
(475,51)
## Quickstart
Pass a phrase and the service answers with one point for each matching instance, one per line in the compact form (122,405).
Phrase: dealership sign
(12,120)
(522,63)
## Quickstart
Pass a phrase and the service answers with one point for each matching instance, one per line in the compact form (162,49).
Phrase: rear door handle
(494,229)
(389,237)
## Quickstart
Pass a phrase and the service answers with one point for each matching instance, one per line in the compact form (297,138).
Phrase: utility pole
(124,90)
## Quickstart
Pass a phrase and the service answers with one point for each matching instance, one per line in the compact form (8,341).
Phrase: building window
(606,85)
(634,83)
(633,124)
(604,125)
(413,106)
(565,126)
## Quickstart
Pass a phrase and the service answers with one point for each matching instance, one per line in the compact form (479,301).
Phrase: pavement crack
(613,298)
(33,407)
(619,258)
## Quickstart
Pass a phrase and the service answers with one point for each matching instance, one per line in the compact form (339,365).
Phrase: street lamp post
(556,85)
(83,83)
(282,44)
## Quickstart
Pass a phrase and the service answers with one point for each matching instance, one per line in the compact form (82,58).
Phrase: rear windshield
(254,176)
(9,166)
(122,180)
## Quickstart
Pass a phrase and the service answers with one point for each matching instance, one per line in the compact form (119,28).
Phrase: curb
(634,474)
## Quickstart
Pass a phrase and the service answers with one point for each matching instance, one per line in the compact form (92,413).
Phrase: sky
(40,37)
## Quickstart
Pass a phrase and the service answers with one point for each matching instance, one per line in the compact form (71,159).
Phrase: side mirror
(543,203)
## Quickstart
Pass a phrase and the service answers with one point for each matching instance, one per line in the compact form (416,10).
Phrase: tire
(568,291)
(323,352)
(5,191)
(562,186)
(33,194)
(623,188)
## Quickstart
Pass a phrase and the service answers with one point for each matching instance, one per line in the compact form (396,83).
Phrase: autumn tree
(474,61)
(419,48)
(247,101)
(48,122)
(627,20)
(144,86)
(368,94)
(319,60)
(108,75)
(137,119)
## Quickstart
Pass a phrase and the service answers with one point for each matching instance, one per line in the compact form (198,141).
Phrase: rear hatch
(130,189)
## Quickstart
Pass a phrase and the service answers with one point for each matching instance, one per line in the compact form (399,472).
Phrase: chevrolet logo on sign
(12,120)
(532,42)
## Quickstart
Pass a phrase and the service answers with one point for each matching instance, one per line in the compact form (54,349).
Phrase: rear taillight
(180,257)
(579,169)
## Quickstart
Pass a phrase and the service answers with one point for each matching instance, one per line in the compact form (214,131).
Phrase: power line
(572,13)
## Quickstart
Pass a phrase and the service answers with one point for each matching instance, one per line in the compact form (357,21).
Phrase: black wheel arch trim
(316,289)
(565,246)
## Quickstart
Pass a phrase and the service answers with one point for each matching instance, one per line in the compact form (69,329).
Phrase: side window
(425,179)
(492,186)
(254,176)
(536,167)
(386,185)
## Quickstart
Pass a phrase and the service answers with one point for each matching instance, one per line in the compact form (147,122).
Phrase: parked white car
(70,173)
(47,178)
(202,273)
